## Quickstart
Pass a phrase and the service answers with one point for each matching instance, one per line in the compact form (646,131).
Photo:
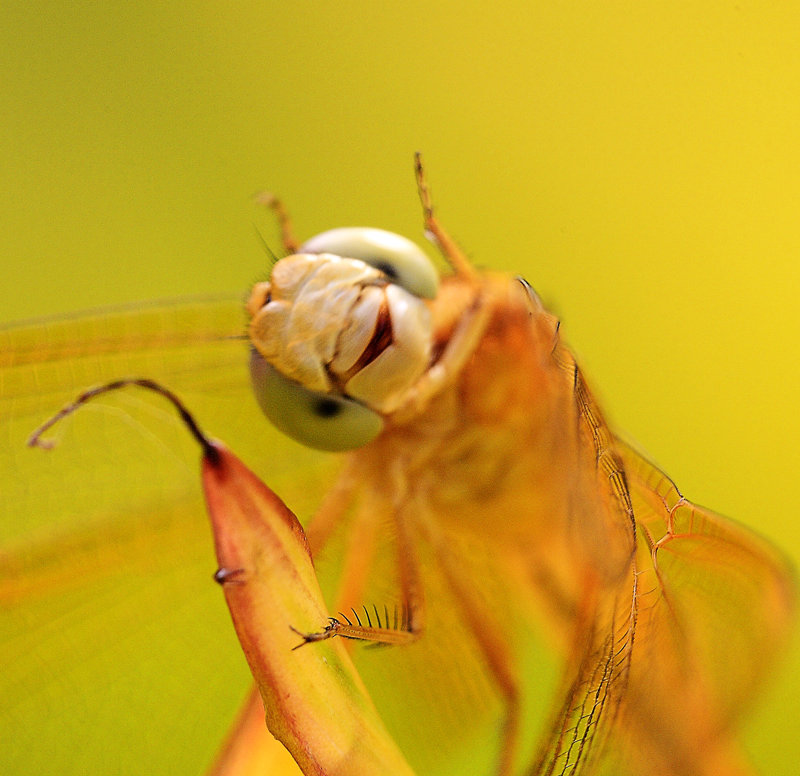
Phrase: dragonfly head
(339,335)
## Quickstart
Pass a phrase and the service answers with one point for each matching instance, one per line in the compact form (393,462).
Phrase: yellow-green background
(638,162)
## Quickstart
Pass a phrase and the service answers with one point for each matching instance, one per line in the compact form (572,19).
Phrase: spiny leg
(290,243)
(407,557)
(358,562)
(361,533)
(449,248)
(403,629)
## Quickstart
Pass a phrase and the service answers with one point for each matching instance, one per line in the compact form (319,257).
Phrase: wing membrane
(116,645)
(666,663)
(715,605)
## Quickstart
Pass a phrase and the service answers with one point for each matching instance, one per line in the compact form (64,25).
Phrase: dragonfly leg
(358,561)
(290,243)
(404,624)
(446,244)
(331,510)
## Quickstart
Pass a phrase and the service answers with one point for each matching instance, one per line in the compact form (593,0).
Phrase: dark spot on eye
(327,408)
(387,269)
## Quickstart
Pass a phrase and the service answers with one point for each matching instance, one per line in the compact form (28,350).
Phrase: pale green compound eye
(401,260)
(320,420)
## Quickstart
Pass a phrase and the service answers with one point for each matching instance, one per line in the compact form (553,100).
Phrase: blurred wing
(665,664)
(595,679)
(596,684)
(715,606)
(116,645)
(437,696)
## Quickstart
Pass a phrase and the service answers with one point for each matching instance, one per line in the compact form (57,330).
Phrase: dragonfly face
(484,483)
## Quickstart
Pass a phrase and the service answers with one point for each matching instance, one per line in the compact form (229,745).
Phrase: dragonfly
(478,517)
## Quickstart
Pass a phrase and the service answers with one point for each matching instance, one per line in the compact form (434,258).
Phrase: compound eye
(401,260)
(320,420)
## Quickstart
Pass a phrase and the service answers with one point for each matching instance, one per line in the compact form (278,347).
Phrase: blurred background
(638,163)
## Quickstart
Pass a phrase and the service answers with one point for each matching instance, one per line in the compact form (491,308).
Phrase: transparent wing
(662,666)
(715,607)
(596,679)
(116,646)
